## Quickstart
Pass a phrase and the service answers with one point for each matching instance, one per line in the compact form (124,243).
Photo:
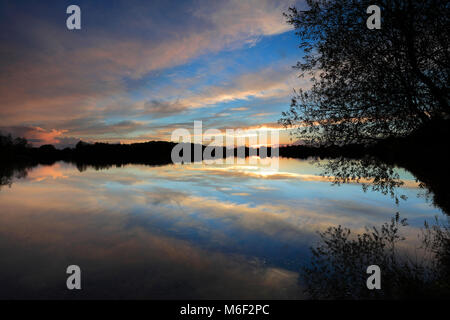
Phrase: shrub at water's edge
(337,269)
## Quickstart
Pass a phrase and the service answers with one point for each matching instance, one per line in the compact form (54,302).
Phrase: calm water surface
(179,231)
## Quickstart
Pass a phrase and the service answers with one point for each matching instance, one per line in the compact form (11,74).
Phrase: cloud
(272,82)
(266,83)
(36,135)
(121,127)
(161,109)
(96,126)
(50,75)
(247,19)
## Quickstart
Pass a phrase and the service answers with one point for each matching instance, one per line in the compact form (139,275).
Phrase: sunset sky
(137,70)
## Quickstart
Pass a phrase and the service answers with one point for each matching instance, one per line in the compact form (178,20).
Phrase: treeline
(421,144)
(425,153)
(18,150)
(152,152)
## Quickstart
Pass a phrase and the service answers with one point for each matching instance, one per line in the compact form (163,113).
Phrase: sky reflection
(179,231)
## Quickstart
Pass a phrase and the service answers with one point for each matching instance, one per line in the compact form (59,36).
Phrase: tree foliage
(370,84)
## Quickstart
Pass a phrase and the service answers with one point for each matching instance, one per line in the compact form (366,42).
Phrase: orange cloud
(36,135)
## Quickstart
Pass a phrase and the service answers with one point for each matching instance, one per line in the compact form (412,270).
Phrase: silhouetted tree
(370,84)
(11,147)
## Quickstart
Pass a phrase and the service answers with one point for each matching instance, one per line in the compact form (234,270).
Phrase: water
(180,231)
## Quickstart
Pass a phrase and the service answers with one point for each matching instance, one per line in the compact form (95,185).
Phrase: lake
(197,231)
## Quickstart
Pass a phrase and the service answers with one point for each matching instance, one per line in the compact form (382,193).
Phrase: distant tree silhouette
(13,149)
(370,84)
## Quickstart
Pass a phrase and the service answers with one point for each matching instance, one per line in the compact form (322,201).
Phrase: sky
(138,70)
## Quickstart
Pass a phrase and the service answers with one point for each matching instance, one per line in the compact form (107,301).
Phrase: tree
(368,85)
